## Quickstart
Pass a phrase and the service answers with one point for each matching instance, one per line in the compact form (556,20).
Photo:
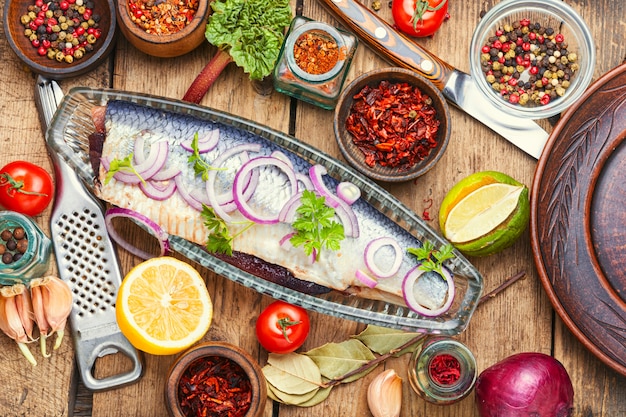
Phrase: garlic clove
(12,324)
(384,394)
(52,304)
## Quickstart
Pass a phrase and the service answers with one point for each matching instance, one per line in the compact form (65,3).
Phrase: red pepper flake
(394,125)
(316,52)
(214,386)
(444,369)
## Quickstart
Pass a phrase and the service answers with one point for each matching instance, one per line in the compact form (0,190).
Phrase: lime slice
(481,211)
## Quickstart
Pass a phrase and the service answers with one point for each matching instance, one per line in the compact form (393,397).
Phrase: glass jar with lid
(314,61)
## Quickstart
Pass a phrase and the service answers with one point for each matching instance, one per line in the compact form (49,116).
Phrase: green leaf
(430,258)
(292,373)
(121,165)
(337,359)
(383,340)
(220,239)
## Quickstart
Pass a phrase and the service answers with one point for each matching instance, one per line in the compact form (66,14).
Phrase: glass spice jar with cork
(443,371)
(314,61)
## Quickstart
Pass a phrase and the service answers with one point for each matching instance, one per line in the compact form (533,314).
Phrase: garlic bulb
(16,317)
(384,394)
(52,304)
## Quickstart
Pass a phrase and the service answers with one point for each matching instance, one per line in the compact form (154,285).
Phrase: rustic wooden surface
(521,319)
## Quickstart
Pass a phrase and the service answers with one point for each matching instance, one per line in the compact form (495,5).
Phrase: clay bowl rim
(355,157)
(130,28)
(22,47)
(234,353)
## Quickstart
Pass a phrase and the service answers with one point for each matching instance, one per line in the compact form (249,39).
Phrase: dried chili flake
(214,386)
(393,124)
(317,52)
(444,369)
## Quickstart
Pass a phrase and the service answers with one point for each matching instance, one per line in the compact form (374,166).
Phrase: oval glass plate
(578,219)
(68,136)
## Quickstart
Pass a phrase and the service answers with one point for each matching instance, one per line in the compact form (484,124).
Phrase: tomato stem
(16,186)
(421,7)
(284,324)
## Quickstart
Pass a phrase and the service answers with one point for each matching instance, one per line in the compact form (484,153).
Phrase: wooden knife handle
(388,42)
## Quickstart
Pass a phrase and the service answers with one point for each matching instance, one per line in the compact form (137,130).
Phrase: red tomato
(419,17)
(25,188)
(282,327)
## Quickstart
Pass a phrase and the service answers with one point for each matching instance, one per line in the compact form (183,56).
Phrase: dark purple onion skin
(525,385)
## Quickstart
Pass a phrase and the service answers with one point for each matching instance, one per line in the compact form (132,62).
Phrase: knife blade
(457,86)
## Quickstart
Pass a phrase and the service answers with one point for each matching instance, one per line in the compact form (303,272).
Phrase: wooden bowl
(169,45)
(356,157)
(222,350)
(25,51)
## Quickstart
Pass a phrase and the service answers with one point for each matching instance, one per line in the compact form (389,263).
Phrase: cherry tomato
(282,327)
(419,18)
(25,188)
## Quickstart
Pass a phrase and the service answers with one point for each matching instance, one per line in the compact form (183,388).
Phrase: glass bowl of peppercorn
(60,38)
(215,379)
(534,58)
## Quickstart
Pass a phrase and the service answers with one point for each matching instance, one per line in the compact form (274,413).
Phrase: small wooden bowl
(164,46)
(51,68)
(351,152)
(224,350)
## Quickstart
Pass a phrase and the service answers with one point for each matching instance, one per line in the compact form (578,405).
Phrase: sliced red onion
(373,247)
(285,241)
(367,280)
(158,190)
(185,194)
(348,219)
(348,192)
(217,163)
(140,157)
(139,218)
(281,155)
(316,172)
(288,212)
(145,170)
(240,183)
(407,291)
(205,144)
(305,180)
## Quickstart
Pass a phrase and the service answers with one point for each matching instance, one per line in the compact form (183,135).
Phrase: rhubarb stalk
(207,77)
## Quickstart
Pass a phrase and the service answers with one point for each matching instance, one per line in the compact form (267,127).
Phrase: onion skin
(525,385)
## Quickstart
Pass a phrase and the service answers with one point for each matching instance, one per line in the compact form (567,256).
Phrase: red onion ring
(348,192)
(185,194)
(205,144)
(288,212)
(158,190)
(140,157)
(316,172)
(240,183)
(407,291)
(139,218)
(373,247)
(365,279)
(145,170)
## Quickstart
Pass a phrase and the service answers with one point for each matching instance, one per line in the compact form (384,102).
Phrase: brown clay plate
(578,219)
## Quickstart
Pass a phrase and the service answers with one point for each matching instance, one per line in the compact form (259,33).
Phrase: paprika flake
(317,53)
(393,124)
(444,369)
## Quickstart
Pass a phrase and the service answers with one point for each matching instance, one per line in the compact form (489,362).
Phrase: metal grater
(87,261)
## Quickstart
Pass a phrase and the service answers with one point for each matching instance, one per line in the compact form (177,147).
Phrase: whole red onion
(525,385)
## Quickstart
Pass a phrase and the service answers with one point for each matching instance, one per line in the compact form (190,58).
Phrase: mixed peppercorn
(162,17)
(13,245)
(393,124)
(528,64)
(62,30)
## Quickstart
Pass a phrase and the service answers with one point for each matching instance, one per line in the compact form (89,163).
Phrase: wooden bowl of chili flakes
(165,29)
(392,124)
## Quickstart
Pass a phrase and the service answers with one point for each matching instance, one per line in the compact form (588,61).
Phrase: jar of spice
(314,61)
(443,371)
(24,248)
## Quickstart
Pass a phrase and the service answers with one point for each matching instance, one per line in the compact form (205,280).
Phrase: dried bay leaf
(291,399)
(337,359)
(319,396)
(383,340)
(292,373)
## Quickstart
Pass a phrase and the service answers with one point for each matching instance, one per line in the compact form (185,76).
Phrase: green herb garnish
(200,166)
(220,239)
(432,259)
(315,227)
(122,165)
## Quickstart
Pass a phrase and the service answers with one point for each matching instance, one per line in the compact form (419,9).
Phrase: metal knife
(458,87)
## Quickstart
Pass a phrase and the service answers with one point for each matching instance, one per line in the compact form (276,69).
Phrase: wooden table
(521,319)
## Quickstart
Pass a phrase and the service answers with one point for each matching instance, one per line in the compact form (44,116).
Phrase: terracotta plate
(578,219)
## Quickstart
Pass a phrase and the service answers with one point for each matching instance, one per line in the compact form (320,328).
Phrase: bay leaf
(291,399)
(337,359)
(319,396)
(383,340)
(292,373)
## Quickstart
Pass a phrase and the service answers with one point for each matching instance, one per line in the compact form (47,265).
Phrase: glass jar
(443,371)
(321,84)
(33,254)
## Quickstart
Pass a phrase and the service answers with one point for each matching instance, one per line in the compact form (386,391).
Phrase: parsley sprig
(315,227)
(122,165)
(220,239)
(432,259)
(200,166)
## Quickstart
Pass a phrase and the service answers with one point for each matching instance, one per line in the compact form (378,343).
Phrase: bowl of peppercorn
(215,378)
(60,38)
(534,58)
(163,29)
(392,124)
